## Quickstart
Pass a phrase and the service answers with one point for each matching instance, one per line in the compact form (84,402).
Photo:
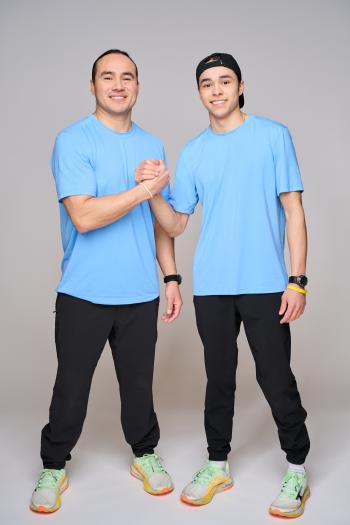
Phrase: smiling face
(115,86)
(219,90)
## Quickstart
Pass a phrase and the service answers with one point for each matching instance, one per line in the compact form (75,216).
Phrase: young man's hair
(110,52)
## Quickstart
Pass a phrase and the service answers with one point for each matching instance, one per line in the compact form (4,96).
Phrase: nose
(118,84)
(216,89)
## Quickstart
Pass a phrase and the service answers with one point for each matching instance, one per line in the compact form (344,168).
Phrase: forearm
(297,240)
(166,216)
(165,251)
(96,212)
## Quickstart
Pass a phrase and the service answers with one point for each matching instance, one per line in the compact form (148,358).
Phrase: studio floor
(102,490)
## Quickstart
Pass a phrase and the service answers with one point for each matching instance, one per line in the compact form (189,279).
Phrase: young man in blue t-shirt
(244,172)
(109,286)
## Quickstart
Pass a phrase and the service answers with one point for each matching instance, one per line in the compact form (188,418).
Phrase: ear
(241,87)
(92,87)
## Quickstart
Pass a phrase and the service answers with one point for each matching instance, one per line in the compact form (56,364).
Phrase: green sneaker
(291,500)
(149,469)
(207,482)
(47,493)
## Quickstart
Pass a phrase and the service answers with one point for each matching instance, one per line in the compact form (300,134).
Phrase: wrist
(173,278)
(143,192)
(296,288)
(298,280)
(172,284)
(295,285)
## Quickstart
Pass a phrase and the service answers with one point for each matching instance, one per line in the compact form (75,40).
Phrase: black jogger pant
(218,320)
(81,332)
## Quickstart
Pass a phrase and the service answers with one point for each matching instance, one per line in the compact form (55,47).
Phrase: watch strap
(174,277)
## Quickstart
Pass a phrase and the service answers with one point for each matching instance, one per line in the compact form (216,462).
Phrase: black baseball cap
(220,59)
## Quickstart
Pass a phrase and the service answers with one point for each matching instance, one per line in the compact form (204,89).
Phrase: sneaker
(207,482)
(149,469)
(291,500)
(47,493)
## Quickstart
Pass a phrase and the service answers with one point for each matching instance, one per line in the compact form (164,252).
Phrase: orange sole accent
(44,510)
(279,514)
(199,503)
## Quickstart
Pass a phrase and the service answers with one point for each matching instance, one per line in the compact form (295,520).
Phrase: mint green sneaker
(149,469)
(208,481)
(47,493)
(291,500)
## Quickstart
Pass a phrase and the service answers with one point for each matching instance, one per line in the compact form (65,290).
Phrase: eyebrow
(112,73)
(209,79)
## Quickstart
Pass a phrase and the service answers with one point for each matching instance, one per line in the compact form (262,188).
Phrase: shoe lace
(205,474)
(291,484)
(48,479)
(151,463)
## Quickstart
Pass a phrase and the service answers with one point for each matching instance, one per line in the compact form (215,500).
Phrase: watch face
(303,280)
(179,279)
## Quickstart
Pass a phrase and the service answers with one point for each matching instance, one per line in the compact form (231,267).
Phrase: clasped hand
(154,174)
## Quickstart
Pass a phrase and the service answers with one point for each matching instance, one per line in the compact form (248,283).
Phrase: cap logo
(215,58)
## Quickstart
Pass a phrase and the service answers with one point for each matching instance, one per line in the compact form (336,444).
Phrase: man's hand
(292,305)
(174,302)
(148,170)
(154,174)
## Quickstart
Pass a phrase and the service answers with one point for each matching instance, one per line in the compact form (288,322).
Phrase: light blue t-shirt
(237,177)
(115,264)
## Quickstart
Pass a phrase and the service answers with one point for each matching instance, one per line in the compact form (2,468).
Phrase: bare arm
(296,231)
(173,222)
(165,250)
(293,303)
(166,259)
(89,213)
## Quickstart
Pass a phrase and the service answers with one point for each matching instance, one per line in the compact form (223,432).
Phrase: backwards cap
(220,59)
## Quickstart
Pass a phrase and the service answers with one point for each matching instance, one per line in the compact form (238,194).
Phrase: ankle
(300,469)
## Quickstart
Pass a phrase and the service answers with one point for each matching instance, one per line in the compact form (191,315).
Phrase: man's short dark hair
(110,52)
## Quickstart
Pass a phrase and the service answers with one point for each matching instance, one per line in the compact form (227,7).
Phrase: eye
(226,81)
(107,78)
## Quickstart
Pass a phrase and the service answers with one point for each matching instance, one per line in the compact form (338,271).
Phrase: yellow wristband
(296,289)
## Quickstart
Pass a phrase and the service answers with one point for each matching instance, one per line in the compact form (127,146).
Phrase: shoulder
(193,148)
(267,124)
(275,132)
(74,134)
(147,137)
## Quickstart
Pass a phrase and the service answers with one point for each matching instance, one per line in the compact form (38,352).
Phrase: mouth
(117,97)
(218,102)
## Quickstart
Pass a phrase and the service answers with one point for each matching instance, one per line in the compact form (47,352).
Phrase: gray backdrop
(295,61)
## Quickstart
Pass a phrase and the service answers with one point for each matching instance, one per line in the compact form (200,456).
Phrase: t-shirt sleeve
(71,167)
(184,197)
(165,191)
(288,176)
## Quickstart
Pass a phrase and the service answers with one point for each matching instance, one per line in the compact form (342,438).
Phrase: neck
(228,123)
(121,123)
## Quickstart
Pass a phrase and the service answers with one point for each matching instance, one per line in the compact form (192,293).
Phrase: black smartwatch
(300,280)
(176,277)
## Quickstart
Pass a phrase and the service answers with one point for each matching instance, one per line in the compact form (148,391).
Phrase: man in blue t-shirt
(244,172)
(109,285)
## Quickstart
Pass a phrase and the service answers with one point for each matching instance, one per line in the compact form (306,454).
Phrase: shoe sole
(274,511)
(223,487)
(147,487)
(42,509)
